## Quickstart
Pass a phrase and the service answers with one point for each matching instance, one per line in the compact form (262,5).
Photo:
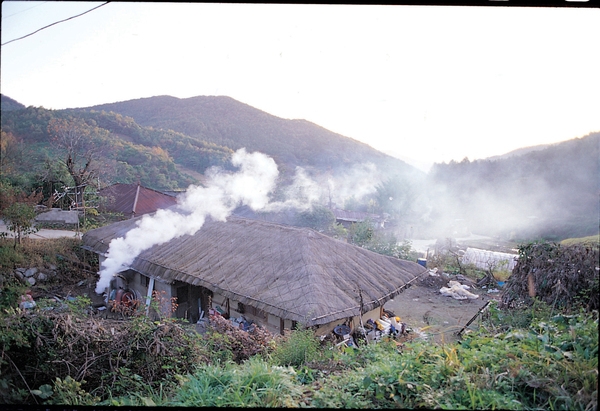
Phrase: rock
(19,275)
(202,325)
(42,277)
(31,272)
(31,281)
(52,267)
(21,270)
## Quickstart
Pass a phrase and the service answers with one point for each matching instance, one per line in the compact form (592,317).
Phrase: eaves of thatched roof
(293,273)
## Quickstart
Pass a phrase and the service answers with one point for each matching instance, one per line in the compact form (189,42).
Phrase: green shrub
(9,256)
(298,348)
(69,392)
(11,291)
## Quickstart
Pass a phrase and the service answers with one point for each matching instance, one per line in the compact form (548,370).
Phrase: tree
(10,153)
(361,233)
(388,245)
(78,140)
(352,204)
(318,218)
(19,219)
(364,235)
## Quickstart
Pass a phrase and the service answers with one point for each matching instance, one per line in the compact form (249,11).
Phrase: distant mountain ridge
(8,104)
(521,151)
(224,121)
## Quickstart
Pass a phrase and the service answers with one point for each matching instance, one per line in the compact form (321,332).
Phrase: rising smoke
(251,185)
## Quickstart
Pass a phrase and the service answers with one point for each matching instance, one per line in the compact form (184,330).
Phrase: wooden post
(531,285)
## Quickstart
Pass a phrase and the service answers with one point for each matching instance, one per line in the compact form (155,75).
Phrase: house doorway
(192,301)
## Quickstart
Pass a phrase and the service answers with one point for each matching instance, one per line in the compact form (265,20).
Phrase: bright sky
(426,83)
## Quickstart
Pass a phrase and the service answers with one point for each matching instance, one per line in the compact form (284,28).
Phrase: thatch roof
(293,273)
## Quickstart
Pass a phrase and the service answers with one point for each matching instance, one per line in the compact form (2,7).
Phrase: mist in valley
(551,193)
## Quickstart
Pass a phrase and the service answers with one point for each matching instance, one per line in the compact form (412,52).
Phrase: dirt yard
(434,316)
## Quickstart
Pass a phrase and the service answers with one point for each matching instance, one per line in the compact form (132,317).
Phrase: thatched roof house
(294,274)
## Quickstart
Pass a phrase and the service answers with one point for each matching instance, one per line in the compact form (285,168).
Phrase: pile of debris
(458,291)
(388,325)
(244,339)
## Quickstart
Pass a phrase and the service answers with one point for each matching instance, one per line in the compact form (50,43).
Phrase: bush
(298,348)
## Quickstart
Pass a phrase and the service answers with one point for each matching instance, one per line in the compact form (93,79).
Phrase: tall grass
(38,253)
(298,348)
(254,383)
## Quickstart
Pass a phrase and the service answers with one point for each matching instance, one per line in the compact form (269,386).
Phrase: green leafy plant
(80,304)
(67,391)
(298,348)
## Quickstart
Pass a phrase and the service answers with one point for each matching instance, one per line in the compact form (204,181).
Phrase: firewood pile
(564,277)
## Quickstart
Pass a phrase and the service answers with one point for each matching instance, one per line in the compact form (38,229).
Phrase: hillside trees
(190,152)
(227,122)
(154,152)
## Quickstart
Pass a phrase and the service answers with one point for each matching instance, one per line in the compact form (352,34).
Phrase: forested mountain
(519,151)
(8,103)
(551,192)
(123,151)
(224,121)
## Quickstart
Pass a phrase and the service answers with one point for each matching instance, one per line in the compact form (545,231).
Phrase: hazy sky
(428,83)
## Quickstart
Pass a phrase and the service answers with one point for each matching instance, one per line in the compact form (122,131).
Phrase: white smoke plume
(301,194)
(251,185)
(359,181)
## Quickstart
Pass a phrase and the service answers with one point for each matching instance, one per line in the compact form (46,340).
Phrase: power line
(19,12)
(50,25)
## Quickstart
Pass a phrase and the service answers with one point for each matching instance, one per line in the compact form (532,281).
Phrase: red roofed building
(134,200)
